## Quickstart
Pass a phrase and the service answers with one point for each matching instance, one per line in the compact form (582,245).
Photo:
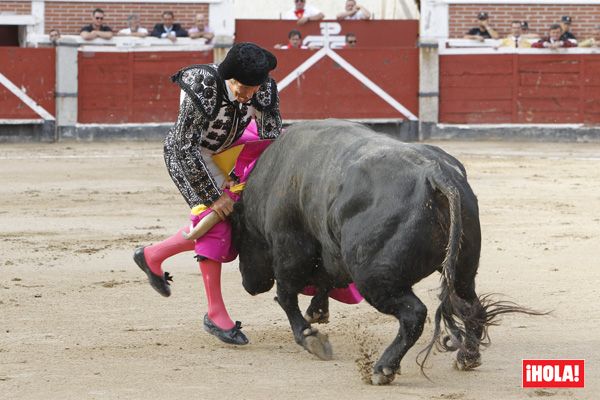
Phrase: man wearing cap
(526,33)
(565,24)
(483,30)
(218,104)
(553,40)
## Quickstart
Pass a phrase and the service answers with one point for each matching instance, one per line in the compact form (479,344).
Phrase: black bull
(333,202)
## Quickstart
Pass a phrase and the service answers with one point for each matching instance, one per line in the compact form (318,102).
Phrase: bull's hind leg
(473,317)
(411,314)
(309,338)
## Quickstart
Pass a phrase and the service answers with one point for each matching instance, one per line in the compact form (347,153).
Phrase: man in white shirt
(134,28)
(201,29)
(515,39)
(303,13)
(354,11)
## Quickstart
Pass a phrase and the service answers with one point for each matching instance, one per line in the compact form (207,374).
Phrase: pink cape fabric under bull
(216,243)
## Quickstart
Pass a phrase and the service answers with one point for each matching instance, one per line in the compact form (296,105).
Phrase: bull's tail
(465,320)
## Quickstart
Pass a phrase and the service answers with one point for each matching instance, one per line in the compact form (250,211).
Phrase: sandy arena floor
(78,319)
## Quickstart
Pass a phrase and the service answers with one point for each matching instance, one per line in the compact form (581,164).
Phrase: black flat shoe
(232,336)
(159,283)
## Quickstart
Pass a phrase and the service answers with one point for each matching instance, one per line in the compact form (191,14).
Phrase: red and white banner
(553,373)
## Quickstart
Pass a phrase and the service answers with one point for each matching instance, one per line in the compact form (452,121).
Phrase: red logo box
(553,373)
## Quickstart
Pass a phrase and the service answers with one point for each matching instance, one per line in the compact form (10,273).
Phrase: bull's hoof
(317,318)
(466,362)
(385,377)
(317,343)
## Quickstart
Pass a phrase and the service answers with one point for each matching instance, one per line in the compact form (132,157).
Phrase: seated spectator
(552,41)
(354,11)
(134,28)
(168,29)
(565,24)
(525,33)
(294,41)
(350,40)
(303,13)
(593,41)
(201,29)
(96,29)
(483,30)
(515,39)
(54,36)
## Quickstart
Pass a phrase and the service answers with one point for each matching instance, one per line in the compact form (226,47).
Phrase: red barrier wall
(328,91)
(22,67)
(372,33)
(520,88)
(131,87)
(386,53)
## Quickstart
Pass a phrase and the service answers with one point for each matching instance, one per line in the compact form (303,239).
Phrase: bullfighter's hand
(223,206)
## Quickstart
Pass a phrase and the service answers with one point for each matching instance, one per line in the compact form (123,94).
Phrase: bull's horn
(202,227)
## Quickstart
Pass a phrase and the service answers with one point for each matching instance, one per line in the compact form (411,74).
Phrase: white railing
(121,43)
(492,46)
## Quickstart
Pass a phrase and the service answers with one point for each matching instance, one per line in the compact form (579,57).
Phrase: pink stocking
(159,252)
(211,274)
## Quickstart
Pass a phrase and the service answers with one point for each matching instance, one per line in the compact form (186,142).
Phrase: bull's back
(357,192)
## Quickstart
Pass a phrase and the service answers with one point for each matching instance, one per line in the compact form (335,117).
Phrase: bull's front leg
(310,338)
(318,310)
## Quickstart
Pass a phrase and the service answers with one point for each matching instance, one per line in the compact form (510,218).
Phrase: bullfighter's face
(241,92)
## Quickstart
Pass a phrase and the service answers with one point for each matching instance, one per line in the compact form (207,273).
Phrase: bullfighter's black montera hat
(248,64)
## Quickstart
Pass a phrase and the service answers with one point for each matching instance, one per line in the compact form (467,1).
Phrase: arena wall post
(66,87)
(433,26)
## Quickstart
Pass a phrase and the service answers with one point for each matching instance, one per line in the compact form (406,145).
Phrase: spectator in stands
(553,41)
(354,11)
(96,29)
(54,36)
(483,30)
(168,29)
(350,40)
(526,33)
(303,13)
(515,39)
(201,29)
(565,24)
(133,27)
(593,41)
(294,41)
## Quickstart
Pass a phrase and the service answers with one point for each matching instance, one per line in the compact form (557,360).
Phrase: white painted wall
(272,9)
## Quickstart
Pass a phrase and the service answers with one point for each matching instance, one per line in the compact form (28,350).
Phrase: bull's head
(255,259)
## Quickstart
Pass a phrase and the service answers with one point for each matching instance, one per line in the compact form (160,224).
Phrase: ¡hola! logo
(553,373)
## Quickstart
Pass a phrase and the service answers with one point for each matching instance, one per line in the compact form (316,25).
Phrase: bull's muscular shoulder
(203,86)
(266,96)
